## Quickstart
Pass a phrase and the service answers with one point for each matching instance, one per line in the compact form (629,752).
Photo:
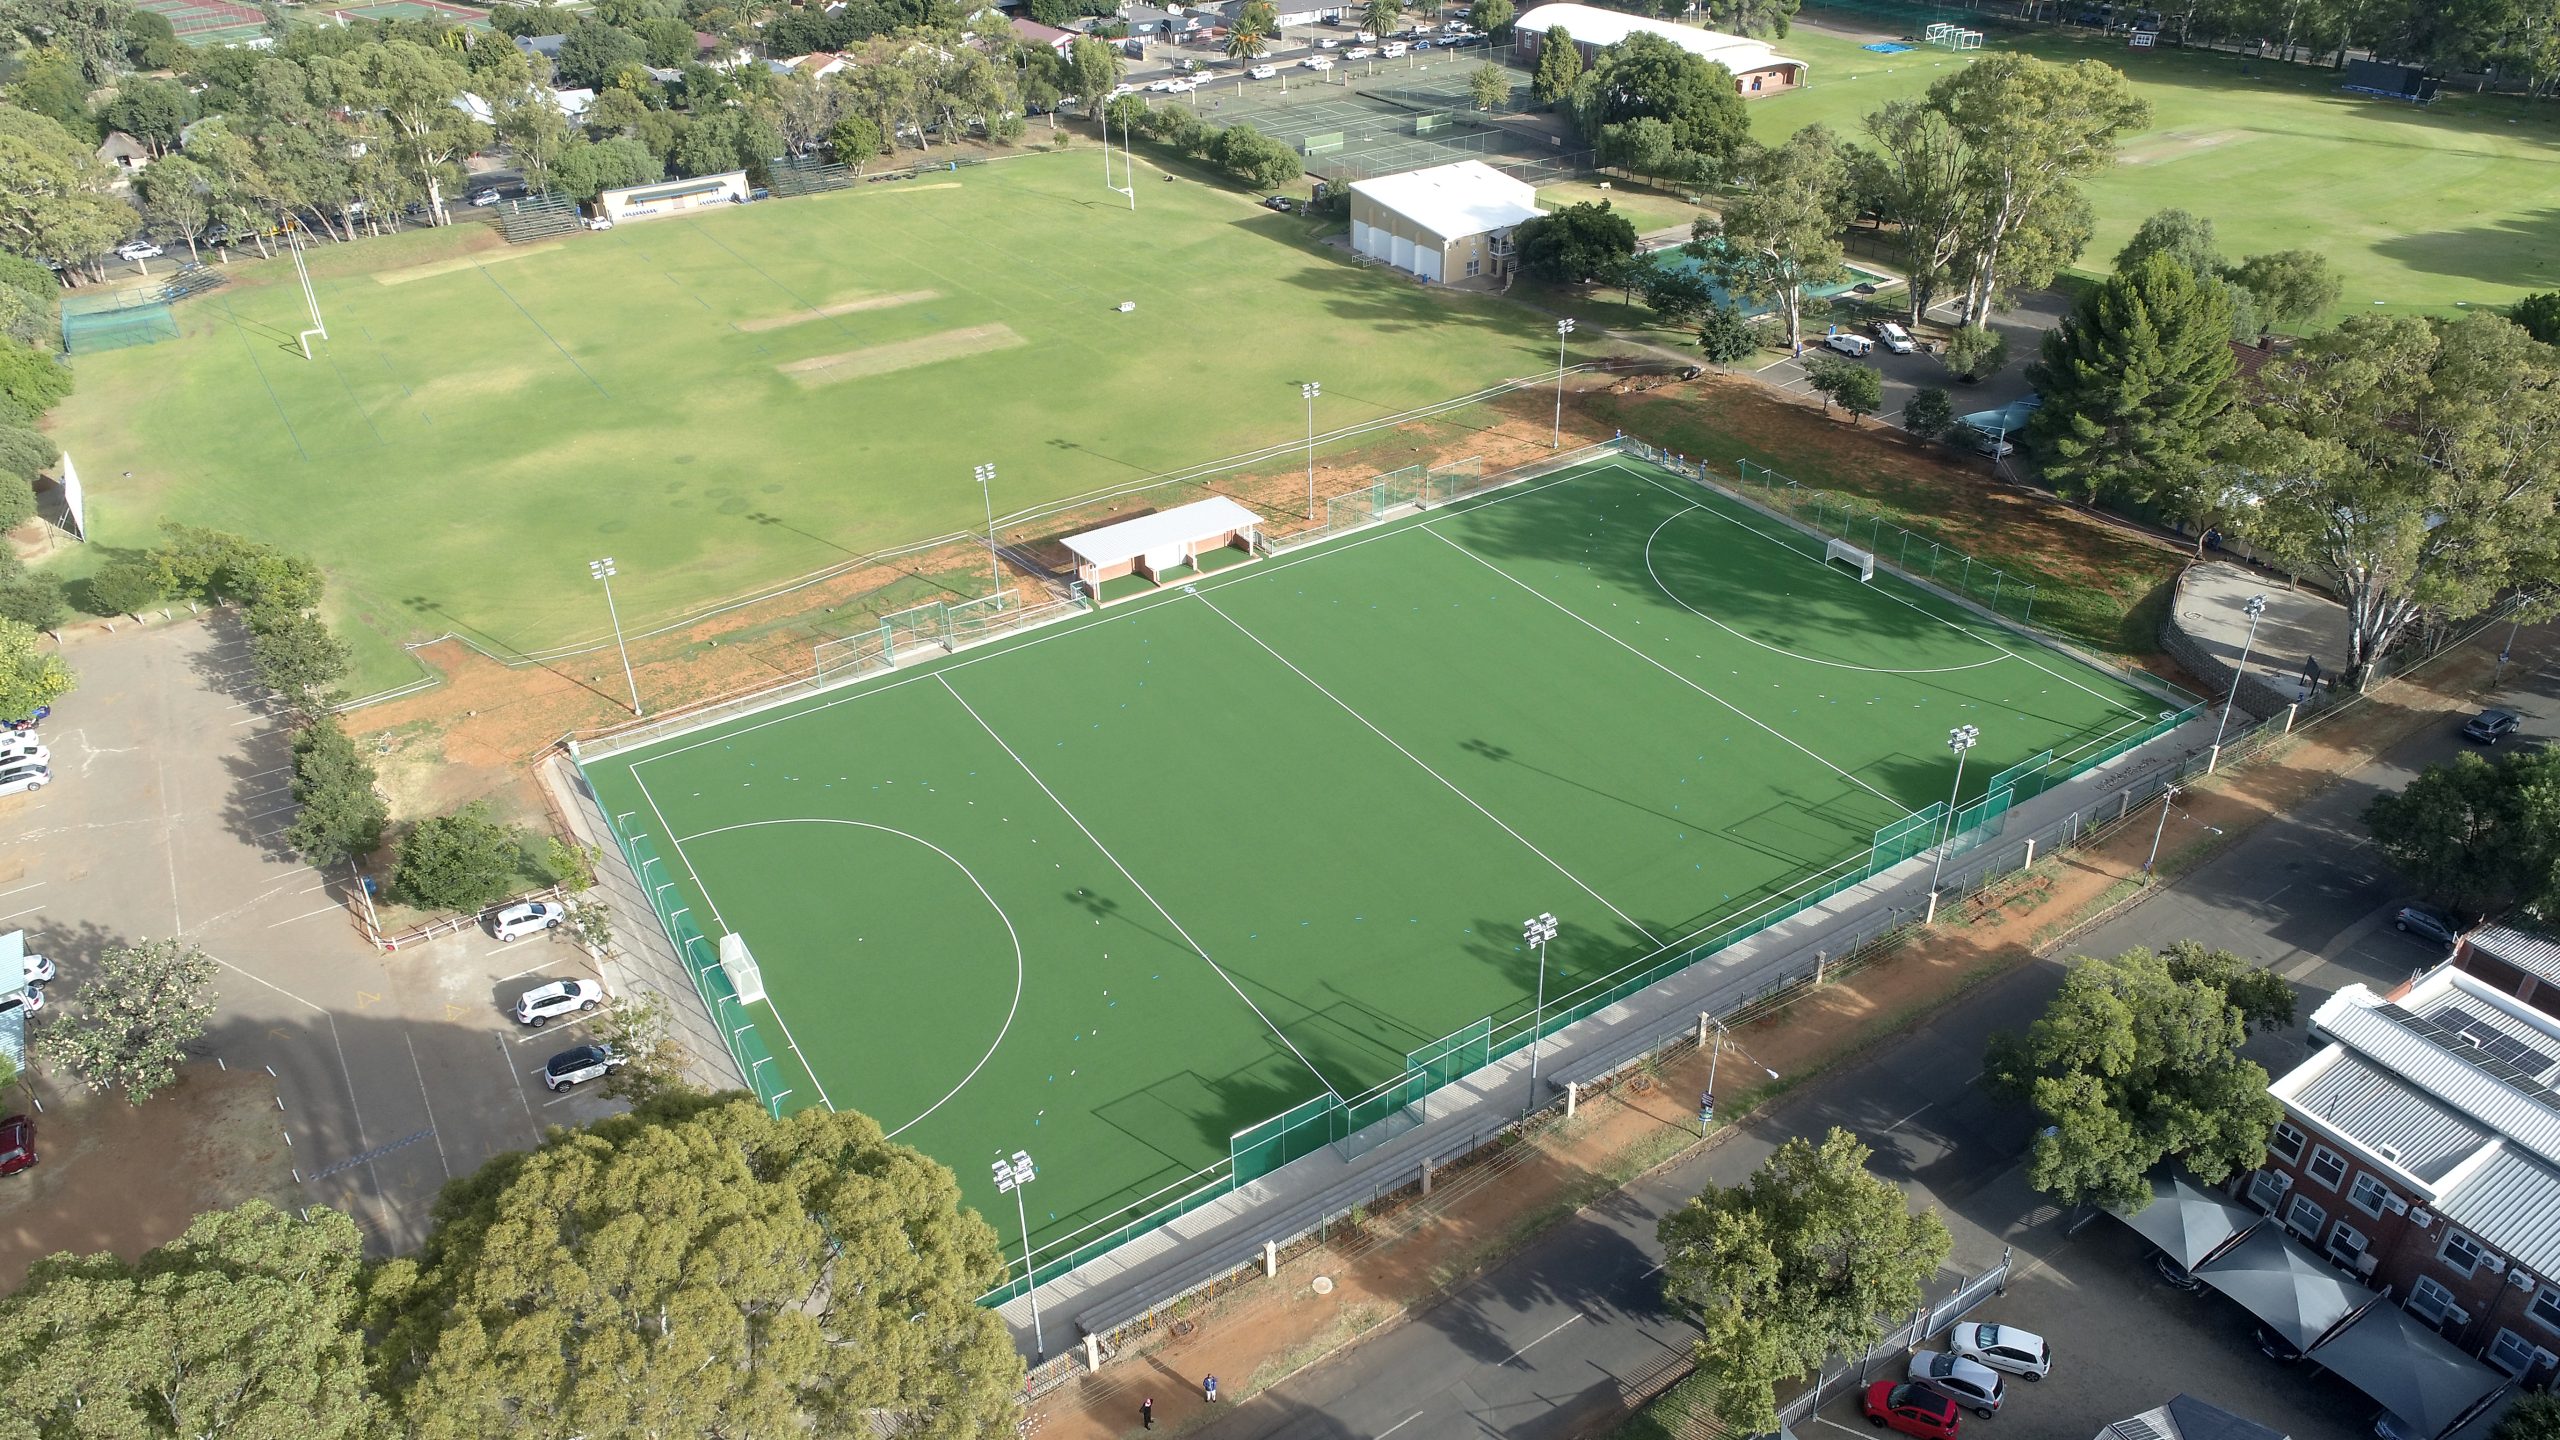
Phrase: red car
(1911,1409)
(17,1144)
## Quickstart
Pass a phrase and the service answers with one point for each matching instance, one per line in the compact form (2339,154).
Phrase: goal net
(744,975)
(1841,552)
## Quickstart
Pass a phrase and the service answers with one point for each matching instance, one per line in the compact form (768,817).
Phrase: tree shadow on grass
(2522,251)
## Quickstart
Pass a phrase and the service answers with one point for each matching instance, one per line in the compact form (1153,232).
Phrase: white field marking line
(1995,644)
(432,1129)
(1453,789)
(1674,674)
(1075,820)
(1409,1419)
(509,1061)
(1525,1349)
(1018,963)
(1772,649)
(1125,610)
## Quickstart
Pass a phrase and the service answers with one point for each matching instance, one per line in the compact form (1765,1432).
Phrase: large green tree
(30,675)
(413,87)
(1575,244)
(1647,77)
(2409,464)
(243,1326)
(1921,185)
(1780,238)
(2032,129)
(129,1024)
(343,814)
(1559,67)
(1251,34)
(1807,1258)
(2136,1061)
(2293,287)
(2475,835)
(459,862)
(2137,382)
(697,1268)
(56,200)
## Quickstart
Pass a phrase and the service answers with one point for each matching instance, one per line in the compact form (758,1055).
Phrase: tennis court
(1380,116)
(1116,890)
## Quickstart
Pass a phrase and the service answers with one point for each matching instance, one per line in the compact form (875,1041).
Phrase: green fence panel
(1303,1129)
(1460,1053)
(1906,837)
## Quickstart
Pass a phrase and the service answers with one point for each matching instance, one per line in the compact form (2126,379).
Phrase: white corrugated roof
(1594,26)
(1132,538)
(1467,198)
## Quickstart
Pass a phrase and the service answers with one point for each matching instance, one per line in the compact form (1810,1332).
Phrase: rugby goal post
(1841,552)
(745,976)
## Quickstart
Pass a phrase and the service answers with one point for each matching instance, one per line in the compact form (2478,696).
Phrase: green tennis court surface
(1114,890)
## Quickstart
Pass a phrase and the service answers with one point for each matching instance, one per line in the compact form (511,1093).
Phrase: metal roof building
(1757,69)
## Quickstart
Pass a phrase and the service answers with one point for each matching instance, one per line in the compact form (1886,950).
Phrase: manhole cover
(1324,1285)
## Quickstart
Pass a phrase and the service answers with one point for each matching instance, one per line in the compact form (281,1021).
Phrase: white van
(1847,344)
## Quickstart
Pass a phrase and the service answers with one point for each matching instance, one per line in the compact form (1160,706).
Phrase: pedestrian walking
(1147,1413)
(1209,1389)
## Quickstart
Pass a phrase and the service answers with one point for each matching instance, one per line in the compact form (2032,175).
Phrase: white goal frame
(1862,561)
(745,976)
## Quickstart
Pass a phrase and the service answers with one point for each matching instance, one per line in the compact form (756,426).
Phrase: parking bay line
(323,910)
(583,1018)
(420,1071)
(21,890)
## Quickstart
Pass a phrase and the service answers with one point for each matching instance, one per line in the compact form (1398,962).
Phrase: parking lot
(2024,323)
(165,818)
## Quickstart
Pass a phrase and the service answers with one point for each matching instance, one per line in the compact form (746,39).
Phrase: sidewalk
(2212,608)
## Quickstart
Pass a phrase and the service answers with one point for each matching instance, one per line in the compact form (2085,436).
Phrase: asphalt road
(1541,1346)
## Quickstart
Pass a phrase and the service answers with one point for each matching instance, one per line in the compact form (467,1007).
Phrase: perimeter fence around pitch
(738,1029)
(1353,1125)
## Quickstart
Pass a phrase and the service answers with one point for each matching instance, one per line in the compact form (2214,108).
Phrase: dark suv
(2491,726)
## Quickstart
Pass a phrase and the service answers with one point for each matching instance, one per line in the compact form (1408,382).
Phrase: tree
(1559,68)
(1922,178)
(126,585)
(342,815)
(856,141)
(151,42)
(460,862)
(413,87)
(2476,836)
(534,130)
(30,679)
(2295,287)
(25,454)
(1781,238)
(2137,381)
(90,32)
(1488,85)
(2186,239)
(697,1267)
(2530,1417)
(34,600)
(1974,351)
(177,198)
(1801,1261)
(2132,1065)
(1493,17)
(50,84)
(1725,335)
(152,111)
(1259,160)
(1929,413)
(641,1029)
(295,656)
(17,496)
(1645,76)
(1252,32)
(2407,463)
(2033,129)
(130,1023)
(1678,295)
(1381,17)
(1095,68)
(1845,383)
(1763,18)
(244,1325)
(593,53)
(2539,315)
(56,196)
(1575,243)
(2264,999)
(583,171)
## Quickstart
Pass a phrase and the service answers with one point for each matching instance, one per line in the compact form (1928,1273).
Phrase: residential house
(817,64)
(124,152)
(2420,1150)
(546,46)
(1032,32)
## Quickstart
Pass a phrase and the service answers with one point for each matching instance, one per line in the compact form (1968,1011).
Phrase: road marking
(416,1069)
(14,914)
(570,1022)
(562,1098)
(5,894)
(452,1012)
(366,997)
(1905,1120)
(307,914)
(1836,1425)
(503,979)
(1390,1430)
(509,1061)
(1523,1350)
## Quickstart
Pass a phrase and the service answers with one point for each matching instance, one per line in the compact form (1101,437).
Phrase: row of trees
(1253,158)
(692,1268)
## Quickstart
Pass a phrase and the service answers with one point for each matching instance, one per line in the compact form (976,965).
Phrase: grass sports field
(1113,890)
(2420,209)
(725,401)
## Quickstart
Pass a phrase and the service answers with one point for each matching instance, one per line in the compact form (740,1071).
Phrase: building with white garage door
(1450,223)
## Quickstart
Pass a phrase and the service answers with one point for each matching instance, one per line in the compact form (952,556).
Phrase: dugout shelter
(1185,540)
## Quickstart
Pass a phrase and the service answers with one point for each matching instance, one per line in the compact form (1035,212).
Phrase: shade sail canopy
(2190,1223)
(2281,1283)
(2409,1369)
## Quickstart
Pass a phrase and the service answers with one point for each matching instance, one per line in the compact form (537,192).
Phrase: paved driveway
(2025,325)
(165,818)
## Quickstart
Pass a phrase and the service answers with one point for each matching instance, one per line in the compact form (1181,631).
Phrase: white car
(138,250)
(1394,50)
(572,1067)
(1263,72)
(1163,85)
(1895,338)
(546,1002)
(1317,62)
(1329,42)
(32,998)
(530,918)
(1848,344)
(2003,1347)
(40,970)
(1359,52)
(1986,443)
(21,746)
(483,199)
(597,222)
(1969,1383)
(20,779)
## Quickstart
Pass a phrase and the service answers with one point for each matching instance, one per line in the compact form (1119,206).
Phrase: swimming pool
(1674,257)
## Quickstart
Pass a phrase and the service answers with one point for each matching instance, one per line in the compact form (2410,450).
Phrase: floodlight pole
(1013,1175)
(1960,739)
(1563,328)
(986,491)
(1538,930)
(2257,607)
(1308,391)
(603,570)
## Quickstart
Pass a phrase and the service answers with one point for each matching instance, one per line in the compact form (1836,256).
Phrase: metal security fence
(737,1021)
